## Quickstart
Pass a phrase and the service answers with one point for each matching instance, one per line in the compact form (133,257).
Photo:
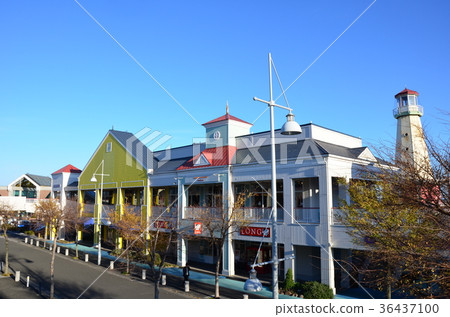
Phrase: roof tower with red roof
(67,169)
(407,91)
(224,118)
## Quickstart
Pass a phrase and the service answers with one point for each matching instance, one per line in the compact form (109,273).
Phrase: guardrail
(307,215)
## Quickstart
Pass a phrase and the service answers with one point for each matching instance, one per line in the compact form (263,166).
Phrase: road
(73,277)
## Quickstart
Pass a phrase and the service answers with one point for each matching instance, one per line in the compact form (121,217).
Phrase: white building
(211,174)
(23,193)
(65,184)
(308,167)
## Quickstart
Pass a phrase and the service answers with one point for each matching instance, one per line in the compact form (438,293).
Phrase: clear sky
(64,82)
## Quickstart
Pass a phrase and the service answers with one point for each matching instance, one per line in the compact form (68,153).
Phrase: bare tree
(74,221)
(50,212)
(220,225)
(6,215)
(160,243)
(129,226)
(402,218)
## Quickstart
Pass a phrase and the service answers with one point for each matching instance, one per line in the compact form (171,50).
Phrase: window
(201,160)
(205,195)
(299,194)
(338,192)
(108,147)
(17,193)
(306,193)
(173,196)
(159,197)
(214,195)
(261,193)
(404,101)
(134,196)
(108,197)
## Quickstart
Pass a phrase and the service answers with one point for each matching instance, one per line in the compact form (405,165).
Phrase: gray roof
(286,151)
(136,148)
(289,151)
(300,149)
(338,150)
(171,165)
(40,180)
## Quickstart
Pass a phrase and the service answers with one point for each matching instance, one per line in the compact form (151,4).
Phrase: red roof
(218,156)
(226,117)
(67,169)
(407,91)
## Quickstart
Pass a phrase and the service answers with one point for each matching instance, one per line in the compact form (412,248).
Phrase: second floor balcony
(164,212)
(335,216)
(259,214)
(196,213)
(307,215)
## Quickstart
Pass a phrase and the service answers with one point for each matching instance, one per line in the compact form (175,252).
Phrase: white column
(326,256)
(228,203)
(182,252)
(181,242)
(228,257)
(289,264)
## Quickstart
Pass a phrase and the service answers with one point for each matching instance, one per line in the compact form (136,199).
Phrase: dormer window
(201,161)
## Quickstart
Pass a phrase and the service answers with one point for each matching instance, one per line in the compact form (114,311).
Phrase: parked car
(24,225)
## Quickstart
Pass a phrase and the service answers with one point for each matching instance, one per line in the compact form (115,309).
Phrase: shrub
(157,260)
(29,232)
(116,252)
(316,290)
(289,283)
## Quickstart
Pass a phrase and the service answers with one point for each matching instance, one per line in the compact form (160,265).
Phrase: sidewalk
(195,274)
(233,285)
(11,289)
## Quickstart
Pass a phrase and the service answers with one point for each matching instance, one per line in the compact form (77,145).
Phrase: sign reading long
(255,232)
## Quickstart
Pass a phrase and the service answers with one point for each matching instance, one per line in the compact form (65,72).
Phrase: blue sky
(64,82)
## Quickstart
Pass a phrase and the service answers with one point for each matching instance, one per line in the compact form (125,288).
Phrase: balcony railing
(335,215)
(202,212)
(164,212)
(34,200)
(88,210)
(411,109)
(257,214)
(133,209)
(307,215)
(107,210)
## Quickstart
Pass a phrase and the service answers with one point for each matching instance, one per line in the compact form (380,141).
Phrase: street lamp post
(289,128)
(100,209)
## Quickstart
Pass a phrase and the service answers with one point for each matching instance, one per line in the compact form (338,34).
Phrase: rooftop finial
(228,108)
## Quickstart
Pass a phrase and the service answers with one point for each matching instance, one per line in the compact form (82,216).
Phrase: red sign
(255,232)
(162,225)
(197,227)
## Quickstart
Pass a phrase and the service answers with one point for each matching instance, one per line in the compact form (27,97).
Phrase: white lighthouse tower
(410,138)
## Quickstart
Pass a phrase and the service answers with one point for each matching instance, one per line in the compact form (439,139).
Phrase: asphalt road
(73,277)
